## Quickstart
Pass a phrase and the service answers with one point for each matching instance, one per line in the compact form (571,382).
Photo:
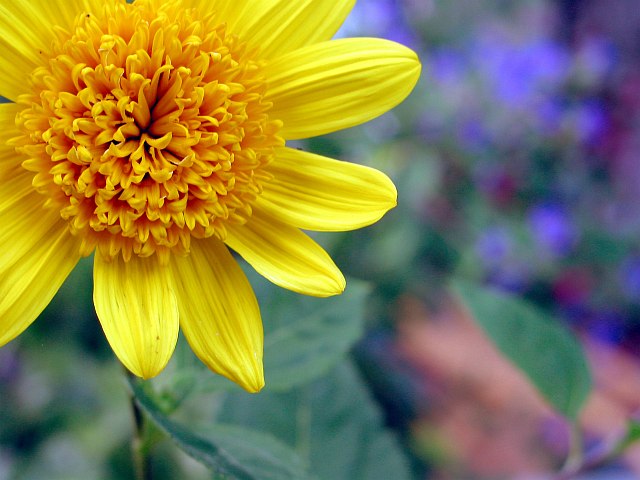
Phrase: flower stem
(139,450)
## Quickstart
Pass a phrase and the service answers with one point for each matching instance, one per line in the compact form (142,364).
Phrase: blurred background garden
(516,162)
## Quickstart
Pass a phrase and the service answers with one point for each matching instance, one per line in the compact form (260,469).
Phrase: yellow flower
(153,133)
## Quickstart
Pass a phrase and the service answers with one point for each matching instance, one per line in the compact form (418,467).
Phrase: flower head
(154,134)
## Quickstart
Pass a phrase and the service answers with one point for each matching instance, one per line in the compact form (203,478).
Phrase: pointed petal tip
(251,378)
(342,284)
(316,193)
(138,311)
(392,194)
(149,373)
(334,85)
(145,371)
(137,372)
(336,286)
(249,373)
(255,385)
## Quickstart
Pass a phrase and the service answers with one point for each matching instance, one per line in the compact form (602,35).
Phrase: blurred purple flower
(548,115)
(629,277)
(472,135)
(494,246)
(448,66)
(596,58)
(590,122)
(607,325)
(552,229)
(513,276)
(517,74)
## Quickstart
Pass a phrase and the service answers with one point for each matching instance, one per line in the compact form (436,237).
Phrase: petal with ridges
(37,256)
(137,308)
(318,193)
(20,207)
(219,313)
(287,25)
(239,15)
(61,13)
(26,34)
(334,85)
(286,256)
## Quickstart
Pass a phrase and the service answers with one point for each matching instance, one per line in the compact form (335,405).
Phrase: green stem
(139,450)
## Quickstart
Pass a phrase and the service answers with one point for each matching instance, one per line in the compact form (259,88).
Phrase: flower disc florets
(145,128)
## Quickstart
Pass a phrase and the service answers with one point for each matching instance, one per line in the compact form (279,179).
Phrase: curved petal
(279,26)
(333,85)
(26,34)
(286,256)
(287,25)
(37,255)
(318,193)
(239,15)
(219,314)
(137,308)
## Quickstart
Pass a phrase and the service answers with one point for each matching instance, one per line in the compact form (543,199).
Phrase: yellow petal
(26,34)
(333,85)
(21,208)
(240,16)
(37,255)
(288,25)
(137,308)
(318,193)
(219,314)
(278,26)
(286,256)
(10,160)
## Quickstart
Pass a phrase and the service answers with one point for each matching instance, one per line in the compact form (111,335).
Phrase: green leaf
(547,353)
(332,423)
(229,451)
(305,337)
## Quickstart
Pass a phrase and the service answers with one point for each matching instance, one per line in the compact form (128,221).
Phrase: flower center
(147,126)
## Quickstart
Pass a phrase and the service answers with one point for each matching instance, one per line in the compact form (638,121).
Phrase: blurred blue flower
(608,326)
(447,66)
(548,115)
(590,121)
(494,245)
(629,277)
(552,228)
(513,276)
(517,74)
(472,134)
